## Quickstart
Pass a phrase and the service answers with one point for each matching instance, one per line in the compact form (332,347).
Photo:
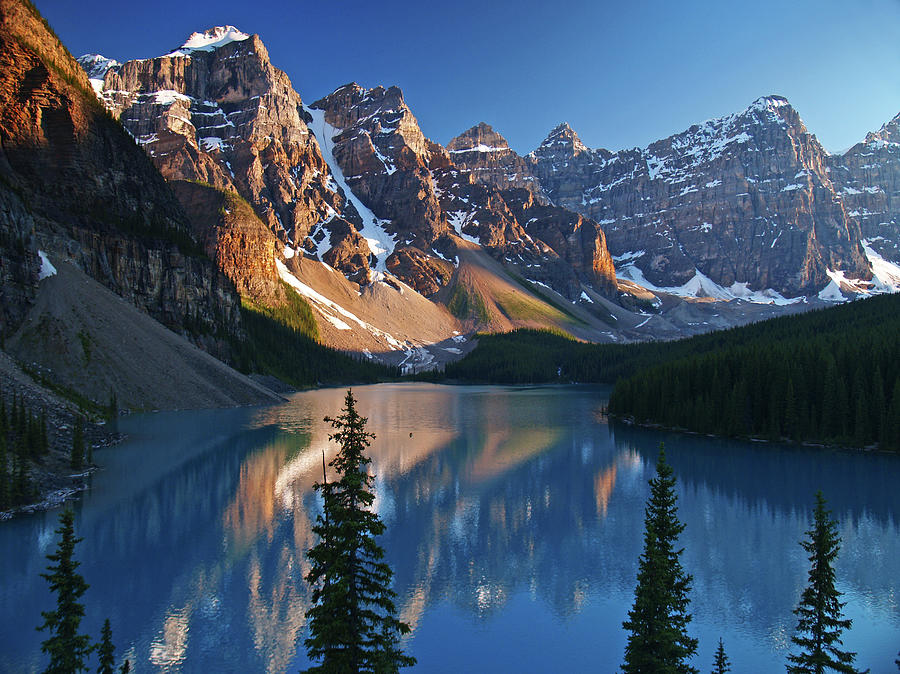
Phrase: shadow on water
(514,517)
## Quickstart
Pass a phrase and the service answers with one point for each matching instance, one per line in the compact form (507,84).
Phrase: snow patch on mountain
(47,269)
(886,273)
(210,40)
(701,285)
(381,243)
(481,147)
(332,311)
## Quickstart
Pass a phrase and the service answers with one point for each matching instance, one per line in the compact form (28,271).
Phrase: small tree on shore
(65,646)
(657,623)
(721,665)
(820,619)
(352,622)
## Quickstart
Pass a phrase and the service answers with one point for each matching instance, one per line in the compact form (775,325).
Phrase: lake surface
(514,525)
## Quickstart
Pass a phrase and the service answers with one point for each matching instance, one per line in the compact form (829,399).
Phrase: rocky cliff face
(423,198)
(217,111)
(350,179)
(486,155)
(868,179)
(745,199)
(74,184)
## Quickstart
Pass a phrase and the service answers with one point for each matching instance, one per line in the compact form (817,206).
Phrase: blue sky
(623,73)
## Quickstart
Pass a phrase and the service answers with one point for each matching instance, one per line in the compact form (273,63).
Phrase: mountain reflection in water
(514,524)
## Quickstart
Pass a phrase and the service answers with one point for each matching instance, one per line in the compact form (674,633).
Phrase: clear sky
(622,73)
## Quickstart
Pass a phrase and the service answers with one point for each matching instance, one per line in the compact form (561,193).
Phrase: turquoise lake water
(514,525)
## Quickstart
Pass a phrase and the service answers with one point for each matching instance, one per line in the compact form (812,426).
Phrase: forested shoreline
(828,376)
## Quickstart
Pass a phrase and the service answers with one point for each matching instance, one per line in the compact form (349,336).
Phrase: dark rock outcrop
(220,113)
(423,196)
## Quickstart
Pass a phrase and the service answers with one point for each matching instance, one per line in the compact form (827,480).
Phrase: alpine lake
(514,526)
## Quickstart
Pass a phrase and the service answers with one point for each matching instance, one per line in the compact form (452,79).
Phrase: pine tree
(45,441)
(76,458)
(67,649)
(106,652)
(819,623)
(657,623)
(352,623)
(21,490)
(721,665)
(4,474)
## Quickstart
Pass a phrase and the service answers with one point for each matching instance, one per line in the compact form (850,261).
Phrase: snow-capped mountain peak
(771,102)
(480,138)
(210,40)
(96,65)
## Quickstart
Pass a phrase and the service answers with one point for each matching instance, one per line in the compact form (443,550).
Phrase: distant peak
(770,102)
(96,65)
(889,134)
(480,138)
(210,40)
(563,135)
(772,107)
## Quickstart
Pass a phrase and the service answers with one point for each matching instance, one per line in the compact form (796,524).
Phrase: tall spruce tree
(76,458)
(66,647)
(721,664)
(658,641)
(106,652)
(352,622)
(819,614)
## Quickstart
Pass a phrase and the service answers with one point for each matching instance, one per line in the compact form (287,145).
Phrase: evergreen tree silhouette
(819,614)
(721,665)
(657,623)
(65,646)
(352,622)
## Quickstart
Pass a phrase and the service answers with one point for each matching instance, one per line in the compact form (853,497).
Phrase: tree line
(828,380)
(657,624)
(23,439)
(830,375)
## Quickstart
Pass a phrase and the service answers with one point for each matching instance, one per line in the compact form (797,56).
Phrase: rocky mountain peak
(480,138)
(773,109)
(209,40)
(96,65)
(771,102)
(742,199)
(562,140)
(867,178)
(888,134)
(381,113)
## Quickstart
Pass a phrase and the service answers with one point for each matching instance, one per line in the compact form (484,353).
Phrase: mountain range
(750,203)
(194,181)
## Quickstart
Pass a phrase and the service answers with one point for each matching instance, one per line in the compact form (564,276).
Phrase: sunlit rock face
(216,111)
(74,185)
(485,154)
(746,198)
(351,179)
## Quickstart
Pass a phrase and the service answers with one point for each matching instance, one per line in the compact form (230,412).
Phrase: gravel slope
(84,337)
